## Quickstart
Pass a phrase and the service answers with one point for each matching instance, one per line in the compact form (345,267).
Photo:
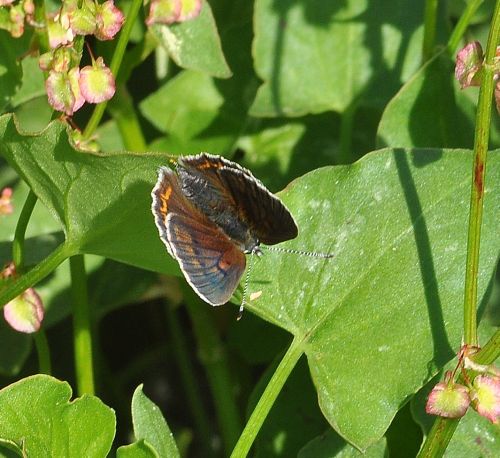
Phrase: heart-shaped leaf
(102,202)
(379,319)
(37,416)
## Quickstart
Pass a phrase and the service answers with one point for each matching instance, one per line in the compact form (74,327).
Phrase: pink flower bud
(25,313)
(83,20)
(448,399)
(469,64)
(486,397)
(190,9)
(29,7)
(109,20)
(163,11)
(63,91)
(97,83)
(16,15)
(6,207)
(59,30)
(6,2)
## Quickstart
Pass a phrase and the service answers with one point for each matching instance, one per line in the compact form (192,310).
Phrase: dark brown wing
(266,216)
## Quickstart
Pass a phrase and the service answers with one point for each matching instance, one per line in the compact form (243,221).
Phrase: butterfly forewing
(266,216)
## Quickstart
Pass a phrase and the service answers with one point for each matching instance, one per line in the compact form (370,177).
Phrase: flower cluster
(469,68)
(170,11)
(69,87)
(25,312)
(12,17)
(451,399)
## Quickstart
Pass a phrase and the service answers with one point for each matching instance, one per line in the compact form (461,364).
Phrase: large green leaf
(381,317)
(37,416)
(102,202)
(316,55)
(195,44)
(376,321)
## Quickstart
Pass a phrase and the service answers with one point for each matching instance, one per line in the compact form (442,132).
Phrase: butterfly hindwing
(211,263)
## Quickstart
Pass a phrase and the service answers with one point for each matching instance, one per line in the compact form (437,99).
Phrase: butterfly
(210,212)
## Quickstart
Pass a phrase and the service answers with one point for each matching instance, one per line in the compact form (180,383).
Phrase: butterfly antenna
(245,289)
(313,254)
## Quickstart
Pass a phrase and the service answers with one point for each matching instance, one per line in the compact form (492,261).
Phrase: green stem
(122,110)
(462,25)
(13,288)
(346,128)
(42,349)
(267,399)
(22,223)
(429,29)
(115,64)
(189,382)
(82,326)
(40,18)
(490,352)
(213,357)
(443,429)
(483,120)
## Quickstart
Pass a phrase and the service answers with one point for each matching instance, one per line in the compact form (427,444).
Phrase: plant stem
(267,399)
(115,64)
(482,131)
(490,352)
(42,350)
(122,110)
(14,288)
(429,29)
(213,357)
(346,125)
(443,428)
(22,223)
(82,326)
(462,25)
(189,382)
(41,18)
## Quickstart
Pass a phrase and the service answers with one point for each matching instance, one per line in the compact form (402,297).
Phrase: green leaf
(150,425)
(10,69)
(424,113)
(184,106)
(331,445)
(195,44)
(317,56)
(139,449)
(38,417)
(381,317)
(95,198)
(15,348)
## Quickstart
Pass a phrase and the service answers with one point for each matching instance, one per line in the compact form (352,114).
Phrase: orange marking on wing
(165,195)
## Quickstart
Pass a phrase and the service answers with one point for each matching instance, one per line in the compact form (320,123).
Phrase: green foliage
(303,93)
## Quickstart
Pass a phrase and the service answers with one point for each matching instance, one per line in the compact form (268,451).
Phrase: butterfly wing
(210,262)
(264,213)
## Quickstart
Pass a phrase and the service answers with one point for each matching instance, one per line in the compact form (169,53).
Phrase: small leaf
(195,44)
(139,449)
(150,425)
(47,424)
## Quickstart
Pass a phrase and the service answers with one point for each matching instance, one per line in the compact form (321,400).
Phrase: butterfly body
(211,211)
